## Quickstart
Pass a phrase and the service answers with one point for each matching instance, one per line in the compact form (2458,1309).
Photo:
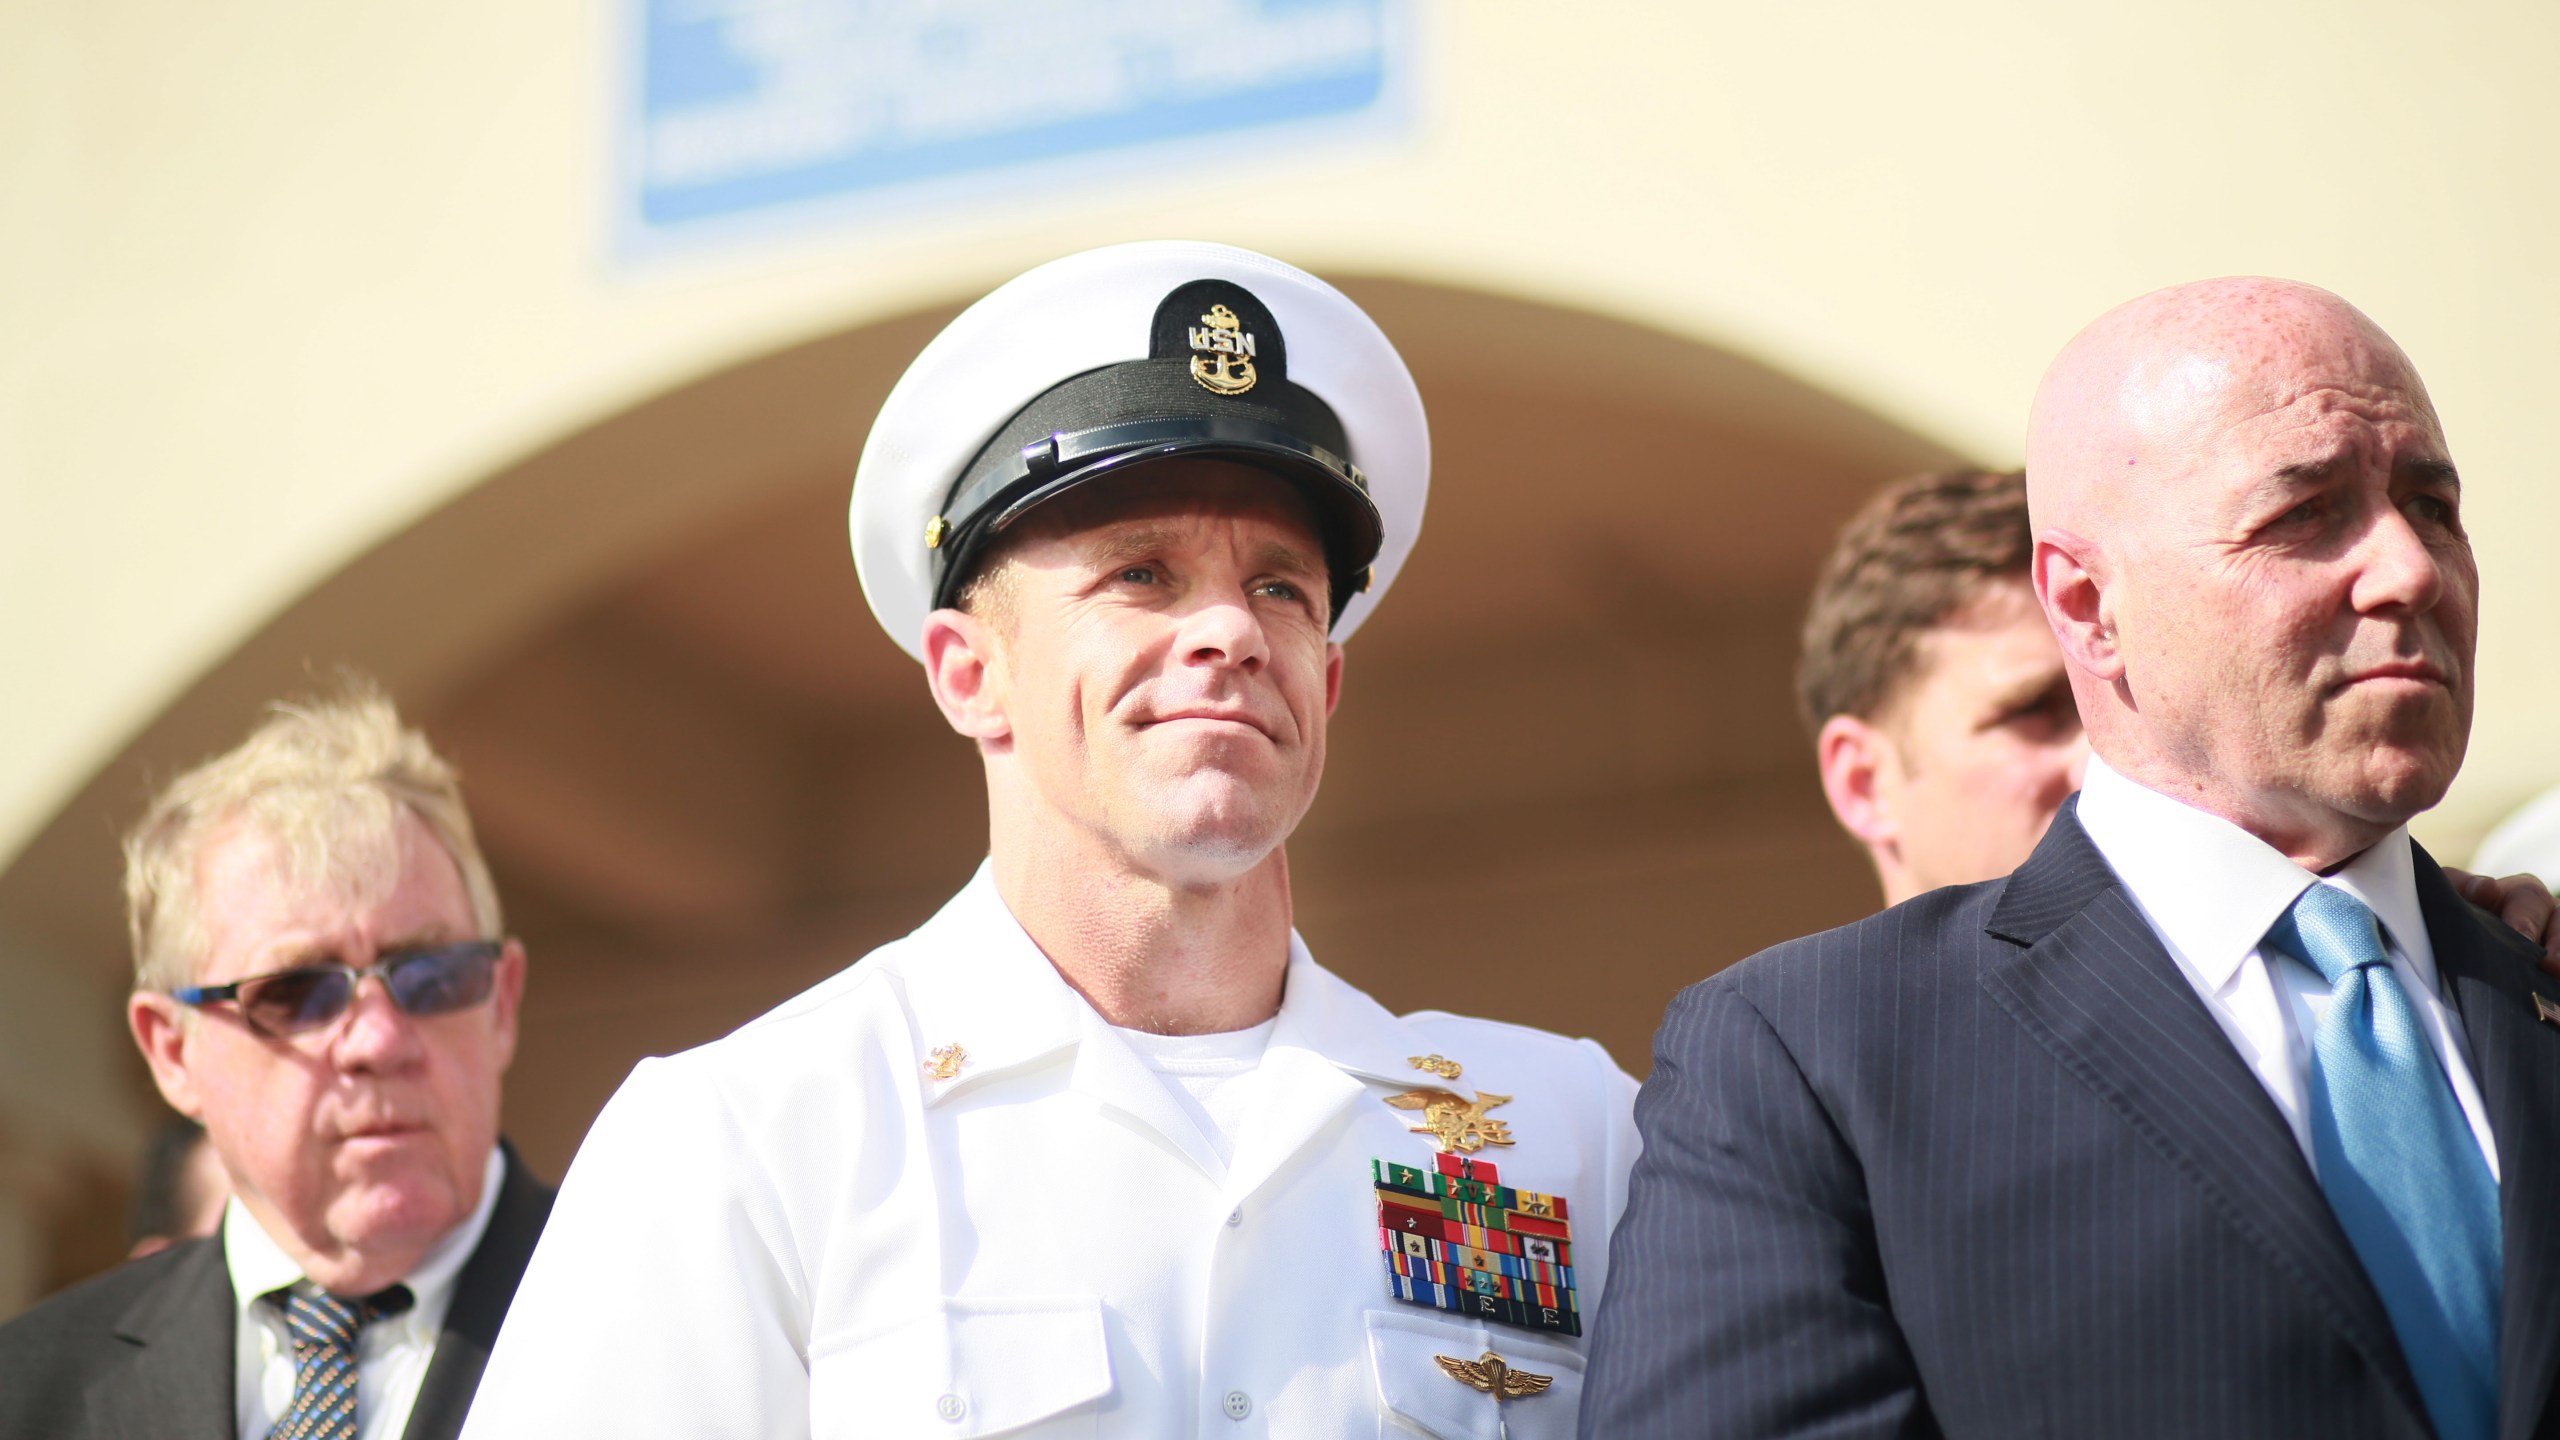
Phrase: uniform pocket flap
(1416,1355)
(964,1369)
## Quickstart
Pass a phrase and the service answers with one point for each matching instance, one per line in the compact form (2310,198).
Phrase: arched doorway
(1566,778)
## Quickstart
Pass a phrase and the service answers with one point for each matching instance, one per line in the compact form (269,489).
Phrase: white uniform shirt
(797,1231)
(1211,1076)
(2210,890)
(392,1353)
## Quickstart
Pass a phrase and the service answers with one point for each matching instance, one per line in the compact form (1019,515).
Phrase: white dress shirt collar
(2213,889)
(981,986)
(2209,890)
(990,987)
(260,1266)
(393,1353)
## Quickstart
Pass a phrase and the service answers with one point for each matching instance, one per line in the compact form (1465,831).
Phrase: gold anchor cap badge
(1454,1124)
(1440,1065)
(946,1062)
(1494,1376)
(1222,353)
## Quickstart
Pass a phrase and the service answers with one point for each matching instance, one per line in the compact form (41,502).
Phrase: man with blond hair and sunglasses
(378,1225)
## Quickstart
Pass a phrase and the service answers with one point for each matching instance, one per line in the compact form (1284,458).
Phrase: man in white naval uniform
(1101,1149)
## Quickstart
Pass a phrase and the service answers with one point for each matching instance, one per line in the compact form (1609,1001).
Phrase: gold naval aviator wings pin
(946,1062)
(1454,1124)
(1495,1377)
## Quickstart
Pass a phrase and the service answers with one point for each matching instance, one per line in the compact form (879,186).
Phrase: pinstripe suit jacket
(1983,1165)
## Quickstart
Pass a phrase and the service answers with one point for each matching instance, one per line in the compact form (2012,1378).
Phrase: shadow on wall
(1565,780)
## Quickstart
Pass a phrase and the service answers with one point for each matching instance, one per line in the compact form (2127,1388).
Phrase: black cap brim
(1284,432)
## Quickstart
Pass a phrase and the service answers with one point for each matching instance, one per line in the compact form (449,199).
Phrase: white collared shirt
(2211,890)
(939,1194)
(1211,1076)
(392,1353)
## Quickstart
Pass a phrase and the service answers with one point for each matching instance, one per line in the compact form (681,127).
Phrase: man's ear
(2071,583)
(963,666)
(508,1000)
(1854,756)
(1332,675)
(162,1033)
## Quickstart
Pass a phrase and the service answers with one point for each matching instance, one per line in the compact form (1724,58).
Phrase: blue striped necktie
(2400,1165)
(324,1328)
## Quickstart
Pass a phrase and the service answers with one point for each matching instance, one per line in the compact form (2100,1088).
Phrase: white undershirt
(392,1353)
(1209,1075)
(2210,890)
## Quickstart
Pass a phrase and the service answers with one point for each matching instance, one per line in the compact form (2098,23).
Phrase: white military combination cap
(1085,367)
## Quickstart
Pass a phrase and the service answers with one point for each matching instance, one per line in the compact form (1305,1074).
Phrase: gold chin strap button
(934,530)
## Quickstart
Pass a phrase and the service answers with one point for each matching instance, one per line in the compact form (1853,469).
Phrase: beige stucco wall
(280,276)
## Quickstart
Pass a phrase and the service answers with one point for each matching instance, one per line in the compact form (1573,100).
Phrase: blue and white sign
(746,109)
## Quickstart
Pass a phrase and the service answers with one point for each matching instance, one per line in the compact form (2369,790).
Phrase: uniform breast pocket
(966,1368)
(1465,1380)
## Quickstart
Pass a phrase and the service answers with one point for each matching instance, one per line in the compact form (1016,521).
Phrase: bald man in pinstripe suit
(2224,1114)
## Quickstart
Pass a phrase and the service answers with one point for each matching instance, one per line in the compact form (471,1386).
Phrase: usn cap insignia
(1225,332)
(1222,353)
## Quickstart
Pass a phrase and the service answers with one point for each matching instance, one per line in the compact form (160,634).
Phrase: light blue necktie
(2400,1165)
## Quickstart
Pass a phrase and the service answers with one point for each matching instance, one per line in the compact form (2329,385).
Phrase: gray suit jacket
(146,1350)
(1984,1165)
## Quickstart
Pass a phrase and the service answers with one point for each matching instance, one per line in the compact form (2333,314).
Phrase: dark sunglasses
(434,980)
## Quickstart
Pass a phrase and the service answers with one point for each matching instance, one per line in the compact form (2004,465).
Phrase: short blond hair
(327,779)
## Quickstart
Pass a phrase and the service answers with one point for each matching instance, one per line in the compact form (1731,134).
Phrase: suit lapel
(179,1382)
(2092,983)
(481,1294)
(2490,978)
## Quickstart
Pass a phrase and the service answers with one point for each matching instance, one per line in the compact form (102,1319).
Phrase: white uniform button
(1235,1217)
(951,1408)
(1239,1404)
